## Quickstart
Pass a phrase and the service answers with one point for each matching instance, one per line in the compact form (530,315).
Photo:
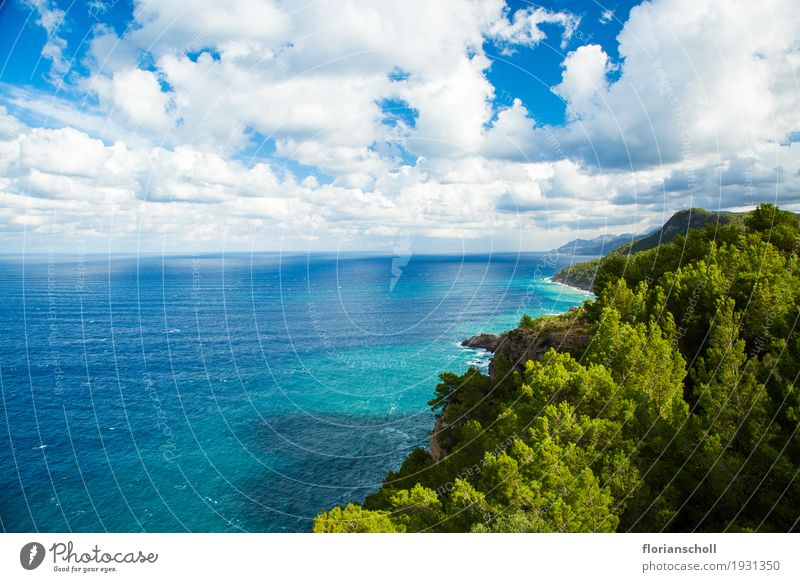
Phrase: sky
(443,126)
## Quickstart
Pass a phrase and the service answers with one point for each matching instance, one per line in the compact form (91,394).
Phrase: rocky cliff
(568,332)
(485,341)
(436,450)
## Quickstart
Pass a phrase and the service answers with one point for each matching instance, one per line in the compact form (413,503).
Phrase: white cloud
(194,105)
(523,28)
(510,134)
(316,73)
(453,108)
(9,125)
(700,93)
(584,82)
(138,95)
(62,151)
(170,26)
(52,20)
(717,75)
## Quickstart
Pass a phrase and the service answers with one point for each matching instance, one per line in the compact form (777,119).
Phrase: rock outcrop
(520,345)
(436,450)
(485,341)
(568,332)
(565,333)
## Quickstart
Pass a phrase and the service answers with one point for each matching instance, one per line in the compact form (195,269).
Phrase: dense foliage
(679,224)
(680,414)
(582,275)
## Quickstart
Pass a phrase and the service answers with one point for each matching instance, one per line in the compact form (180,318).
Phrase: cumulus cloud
(584,82)
(271,121)
(313,74)
(524,27)
(717,76)
(699,93)
(9,125)
(52,20)
(138,95)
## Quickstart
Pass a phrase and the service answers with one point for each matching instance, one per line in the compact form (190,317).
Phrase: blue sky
(460,125)
(511,74)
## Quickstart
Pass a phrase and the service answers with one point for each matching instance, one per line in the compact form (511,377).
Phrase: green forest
(678,412)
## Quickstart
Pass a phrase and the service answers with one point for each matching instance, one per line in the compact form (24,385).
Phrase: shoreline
(554,282)
(483,350)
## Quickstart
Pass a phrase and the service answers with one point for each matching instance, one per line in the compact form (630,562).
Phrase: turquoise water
(236,392)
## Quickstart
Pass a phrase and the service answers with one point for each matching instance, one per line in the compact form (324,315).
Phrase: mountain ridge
(581,275)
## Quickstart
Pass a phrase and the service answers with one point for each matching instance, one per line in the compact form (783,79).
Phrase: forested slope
(680,412)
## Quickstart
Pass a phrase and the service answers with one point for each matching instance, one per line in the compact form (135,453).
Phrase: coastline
(516,345)
(567,285)
(570,276)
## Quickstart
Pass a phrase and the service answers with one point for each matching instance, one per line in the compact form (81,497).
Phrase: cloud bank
(351,125)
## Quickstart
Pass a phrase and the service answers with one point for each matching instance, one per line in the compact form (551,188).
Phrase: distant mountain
(599,245)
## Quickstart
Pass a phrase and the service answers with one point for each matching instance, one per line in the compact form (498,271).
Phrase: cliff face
(485,341)
(565,333)
(520,345)
(436,450)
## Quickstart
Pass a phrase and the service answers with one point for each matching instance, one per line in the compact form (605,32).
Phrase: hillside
(582,275)
(679,224)
(667,404)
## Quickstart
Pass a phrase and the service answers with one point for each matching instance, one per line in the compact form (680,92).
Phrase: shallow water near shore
(237,392)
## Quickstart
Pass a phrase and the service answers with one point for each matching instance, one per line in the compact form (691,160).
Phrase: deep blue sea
(237,392)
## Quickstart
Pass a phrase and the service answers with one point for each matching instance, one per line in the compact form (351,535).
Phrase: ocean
(236,392)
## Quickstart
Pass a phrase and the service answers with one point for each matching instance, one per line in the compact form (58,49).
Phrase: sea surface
(242,392)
